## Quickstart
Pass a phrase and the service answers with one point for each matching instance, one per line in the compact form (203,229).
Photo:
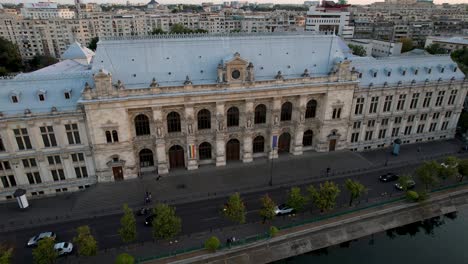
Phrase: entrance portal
(176,157)
(284,142)
(332,145)
(118,173)
(233,150)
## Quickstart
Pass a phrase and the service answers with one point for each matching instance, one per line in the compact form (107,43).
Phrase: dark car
(388,177)
(149,220)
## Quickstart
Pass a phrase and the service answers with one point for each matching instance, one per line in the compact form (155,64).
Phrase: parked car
(33,241)
(283,209)
(447,166)
(388,177)
(149,220)
(63,248)
(410,185)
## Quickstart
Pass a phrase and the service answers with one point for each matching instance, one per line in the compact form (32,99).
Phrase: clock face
(235,74)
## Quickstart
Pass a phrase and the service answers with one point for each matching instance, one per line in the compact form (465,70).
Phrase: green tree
(157,31)
(463,168)
(435,48)
(128,230)
(355,188)
(412,196)
(235,209)
(10,58)
(428,173)
(45,252)
(84,240)
(407,44)
(450,170)
(166,224)
(6,253)
(463,122)
(212,244)
(403,181)
(325,196)
(39,62)
(295,199)
(273,231)
(125,258)
(358,50)
(267,212)
(461,57)
(180,29)
(93,43)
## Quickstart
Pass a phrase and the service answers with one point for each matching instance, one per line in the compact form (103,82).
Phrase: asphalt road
(196,217)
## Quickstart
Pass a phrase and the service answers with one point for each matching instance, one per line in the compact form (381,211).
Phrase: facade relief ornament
(276,121)
(220,121)
(187,80)
(154,84)
(250,72)
(279,76)
(306,73)
(120,85)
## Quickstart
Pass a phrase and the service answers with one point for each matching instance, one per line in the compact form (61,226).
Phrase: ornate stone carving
(279,76)
(119,85)
(306,73)
(154,84)
(187,80)
(250,72)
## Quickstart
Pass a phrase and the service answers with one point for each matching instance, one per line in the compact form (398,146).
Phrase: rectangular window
(22,138)
(414,101)
(354,137)
(435,116)
(411,118)
(58,175)
(388,103)
(397,120)
(453,95)
(336,113)
(432,127)
(423,117)
(384,122)
(81,172)
(395,131)
(373,105)
(357,125)
(359,106)
(444,125)
(368,135)
(408,130)
(73,134)
(371,123)
(29,163)
(401,102)
(8,180)
(48,136)
(420,129)
(427,99)
(54,160)
(2,146)
(34,177)
(440,98)
(382,133)
(448,114)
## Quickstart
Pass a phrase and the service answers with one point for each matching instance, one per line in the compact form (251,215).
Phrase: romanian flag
(192,151)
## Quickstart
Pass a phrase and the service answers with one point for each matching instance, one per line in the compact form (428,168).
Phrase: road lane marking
(211,218)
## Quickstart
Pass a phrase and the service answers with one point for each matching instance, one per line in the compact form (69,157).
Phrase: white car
(33,241)
(63,248)
(446,165)
(284,210)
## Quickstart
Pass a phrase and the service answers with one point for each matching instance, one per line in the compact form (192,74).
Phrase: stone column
(220,135)
(275,130)
(249,120)
(161,156)
(299,117)
(192,162)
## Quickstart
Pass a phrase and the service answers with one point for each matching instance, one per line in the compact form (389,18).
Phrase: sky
(214,1)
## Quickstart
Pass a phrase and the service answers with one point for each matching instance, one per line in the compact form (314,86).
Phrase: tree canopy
(407,44)
(463,168)
(84,240)
(39,62)
(6,253)
(235,209)
(324,198)
(357,50)
(93,43)
(45,252)
(212,244)
(461,57)
(428,173)
(128,230)
(435,48)
(10,58)
(355,188)
(295,199)
(124,258)
(166,224)
(268,207)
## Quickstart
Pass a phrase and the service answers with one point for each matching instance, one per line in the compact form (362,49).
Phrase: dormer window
(14,99)
(429,71)
(454,69)
(41,97)
(374,74)
(442,70)
(360,75)
(403,72)
(416,72)
(67,95)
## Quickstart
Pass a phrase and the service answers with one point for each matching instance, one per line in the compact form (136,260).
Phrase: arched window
(173,122)
(286,111)
(260,114)
(142,125)
(204,151)
(233,117)
(259,144)
(307,138)
(115,136)
(310,109)
(108,137)
(204,119)
(146,158)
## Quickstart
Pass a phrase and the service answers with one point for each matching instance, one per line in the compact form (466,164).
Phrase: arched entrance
(284,142)
(233,149)
(176,157)
(146,158)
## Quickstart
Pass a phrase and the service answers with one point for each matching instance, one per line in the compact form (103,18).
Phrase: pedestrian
(150,197)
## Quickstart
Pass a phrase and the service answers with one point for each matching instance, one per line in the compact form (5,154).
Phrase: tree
(45,252)
(93,43)
(39,62)
(407,44)
(166,224)
(427,173)
(435,48)
(6,253)
(295,199)
(355,188)
(180,29)
(463,168)
(128,231)
(403,181)
(358,50)
(235,209)
(124,258)
(461,57)
(267,212)
(325,196)
(157,31)
(273,231)
(87,245)
(10,58)
(200,30)
(450,170)
(212,244)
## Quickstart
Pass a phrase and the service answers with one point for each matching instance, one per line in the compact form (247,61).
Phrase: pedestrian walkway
(209,181)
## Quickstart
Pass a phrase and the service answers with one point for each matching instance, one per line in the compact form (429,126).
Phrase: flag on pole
(274,144)
(191,151)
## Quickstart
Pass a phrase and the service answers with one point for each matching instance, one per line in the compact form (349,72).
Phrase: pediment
(235,59)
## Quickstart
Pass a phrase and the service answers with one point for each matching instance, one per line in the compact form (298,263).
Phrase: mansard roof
(403,69)
(77,52)
(170,58)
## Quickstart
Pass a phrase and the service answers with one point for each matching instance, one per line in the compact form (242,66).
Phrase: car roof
(45,234)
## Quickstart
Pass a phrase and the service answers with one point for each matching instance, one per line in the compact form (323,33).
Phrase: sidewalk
(209,181)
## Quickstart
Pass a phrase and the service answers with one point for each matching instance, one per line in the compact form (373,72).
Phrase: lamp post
(271,167)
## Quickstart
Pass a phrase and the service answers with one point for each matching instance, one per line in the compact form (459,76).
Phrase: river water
(438,240)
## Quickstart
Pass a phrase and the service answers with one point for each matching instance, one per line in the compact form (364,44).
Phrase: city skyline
(200,1)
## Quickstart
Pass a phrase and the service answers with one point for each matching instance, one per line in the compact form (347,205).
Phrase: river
(438,240)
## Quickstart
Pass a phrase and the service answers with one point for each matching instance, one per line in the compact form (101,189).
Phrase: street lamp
(271,167)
